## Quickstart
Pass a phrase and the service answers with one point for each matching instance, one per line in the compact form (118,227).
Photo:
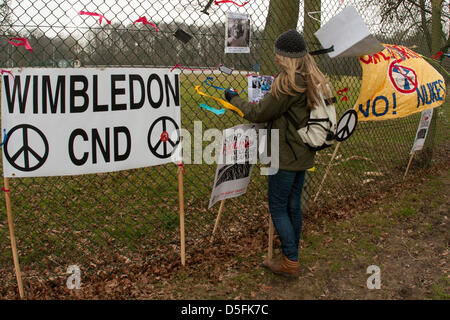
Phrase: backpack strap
(331,100)
(291,119)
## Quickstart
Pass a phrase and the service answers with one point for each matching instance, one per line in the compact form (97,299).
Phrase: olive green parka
(294,155)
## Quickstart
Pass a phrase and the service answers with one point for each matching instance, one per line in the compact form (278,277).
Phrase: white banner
(238,154)
(422,130)
(85,120)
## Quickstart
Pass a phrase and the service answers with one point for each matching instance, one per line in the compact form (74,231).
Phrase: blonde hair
(285,82)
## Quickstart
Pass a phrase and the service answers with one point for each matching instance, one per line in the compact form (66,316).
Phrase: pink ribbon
(6,71)
(145,21)
(229,1)
(94,14)
(24,42)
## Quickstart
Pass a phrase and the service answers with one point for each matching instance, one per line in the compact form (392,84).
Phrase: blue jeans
(285,192)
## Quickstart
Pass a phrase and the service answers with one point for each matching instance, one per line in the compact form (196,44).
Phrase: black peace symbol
(26,150)
(346,125)
(164,140)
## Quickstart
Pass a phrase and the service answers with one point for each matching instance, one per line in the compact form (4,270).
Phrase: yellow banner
(397,82)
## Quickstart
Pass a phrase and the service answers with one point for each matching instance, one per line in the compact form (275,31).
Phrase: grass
(440,290)
(78,217)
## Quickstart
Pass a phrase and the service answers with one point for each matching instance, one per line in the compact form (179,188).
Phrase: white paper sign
(258,87)
(348,34)
(238,155)
(422,130)
(237,33)
(85,120)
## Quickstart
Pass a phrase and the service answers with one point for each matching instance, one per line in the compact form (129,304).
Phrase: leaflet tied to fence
(87,120)
(348,35)
(238,154)
(422,130)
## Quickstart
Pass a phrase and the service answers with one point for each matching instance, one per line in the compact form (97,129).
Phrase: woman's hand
(230,93)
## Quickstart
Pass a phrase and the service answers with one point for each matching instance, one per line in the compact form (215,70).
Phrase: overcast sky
(60,14)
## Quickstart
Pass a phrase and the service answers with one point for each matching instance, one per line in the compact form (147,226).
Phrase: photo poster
(238,154)
(258,87)
(422,130)
(237,33)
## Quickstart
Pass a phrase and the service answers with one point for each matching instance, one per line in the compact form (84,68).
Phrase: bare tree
(427,17)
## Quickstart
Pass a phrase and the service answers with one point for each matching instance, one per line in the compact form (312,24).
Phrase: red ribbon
(229,1)
(437,55)
(94,14)
(340,93)
(5,190)
(145,21)
(342,90)
(181,165)
(23,42)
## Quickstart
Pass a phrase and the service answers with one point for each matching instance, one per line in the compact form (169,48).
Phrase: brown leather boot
(285,267)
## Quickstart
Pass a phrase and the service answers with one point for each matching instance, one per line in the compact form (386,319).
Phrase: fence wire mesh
(106,221)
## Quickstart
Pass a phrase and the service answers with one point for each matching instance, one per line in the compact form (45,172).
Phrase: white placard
(258,87)
(422,130)
(86,120)
(237,33)
(238,155)
(348,34)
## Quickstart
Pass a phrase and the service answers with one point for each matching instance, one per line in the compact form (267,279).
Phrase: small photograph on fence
(258,87)
(239,152)
(237,33)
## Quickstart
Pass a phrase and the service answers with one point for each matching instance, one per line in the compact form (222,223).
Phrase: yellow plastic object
(222,102)
(312,169)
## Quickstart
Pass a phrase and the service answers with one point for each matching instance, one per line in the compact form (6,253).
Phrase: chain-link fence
(129,219)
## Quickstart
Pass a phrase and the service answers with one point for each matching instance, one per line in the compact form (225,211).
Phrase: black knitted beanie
(291,44)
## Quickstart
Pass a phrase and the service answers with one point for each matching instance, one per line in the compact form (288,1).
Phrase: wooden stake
(409,163)
(326,172)
(13,237)
(217,220)
(181,201)
(270,245)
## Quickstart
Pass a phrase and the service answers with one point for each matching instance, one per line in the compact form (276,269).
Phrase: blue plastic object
(211,85)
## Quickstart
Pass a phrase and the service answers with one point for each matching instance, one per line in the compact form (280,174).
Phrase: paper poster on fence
(237,33)
(258,87)
(396,83)
(239,153)
(422,130)
(348,35)
(86,120)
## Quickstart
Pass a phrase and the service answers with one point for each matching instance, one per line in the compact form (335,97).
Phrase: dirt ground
(406,235)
